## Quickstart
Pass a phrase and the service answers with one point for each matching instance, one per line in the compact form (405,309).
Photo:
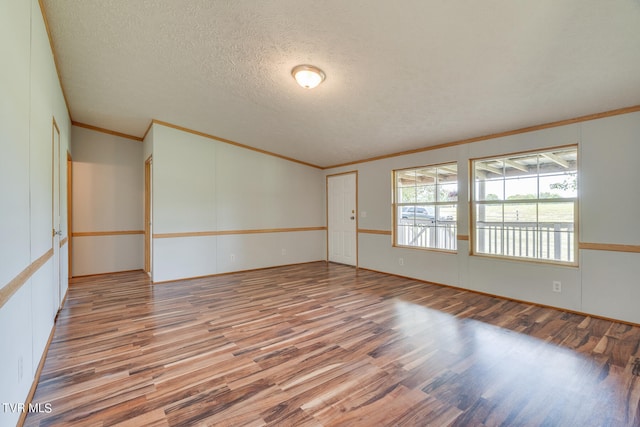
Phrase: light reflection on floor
(481,360)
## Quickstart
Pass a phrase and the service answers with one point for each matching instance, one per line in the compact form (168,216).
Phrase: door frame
(148,215)
(70,212)
(353,172)
(56,232)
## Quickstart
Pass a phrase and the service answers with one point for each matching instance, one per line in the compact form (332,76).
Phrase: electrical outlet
(284,251)
(232,257)
(401,261)
(557,286)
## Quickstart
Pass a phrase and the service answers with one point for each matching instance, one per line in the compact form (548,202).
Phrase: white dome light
(308,76)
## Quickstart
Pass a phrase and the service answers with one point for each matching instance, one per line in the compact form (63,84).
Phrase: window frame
(435,204)
(473,203)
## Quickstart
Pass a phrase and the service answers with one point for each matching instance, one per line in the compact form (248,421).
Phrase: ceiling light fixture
(308,76)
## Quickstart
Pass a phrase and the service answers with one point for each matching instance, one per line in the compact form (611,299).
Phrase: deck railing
(542,240)
(547,241)
(429,235)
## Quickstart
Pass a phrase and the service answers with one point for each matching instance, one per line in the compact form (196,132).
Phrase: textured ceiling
(400,74)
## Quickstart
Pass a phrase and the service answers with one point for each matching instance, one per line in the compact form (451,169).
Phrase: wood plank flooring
(328,345)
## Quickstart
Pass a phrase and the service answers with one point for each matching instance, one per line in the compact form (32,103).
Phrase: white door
(55,214)
(343,218)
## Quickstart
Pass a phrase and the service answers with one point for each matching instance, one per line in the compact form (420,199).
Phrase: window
(425,205)
(525,205)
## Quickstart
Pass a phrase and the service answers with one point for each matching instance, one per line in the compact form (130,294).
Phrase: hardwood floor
(326,345)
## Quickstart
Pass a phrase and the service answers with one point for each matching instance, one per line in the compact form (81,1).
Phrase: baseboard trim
(36,378)
(235,271)
(107,272)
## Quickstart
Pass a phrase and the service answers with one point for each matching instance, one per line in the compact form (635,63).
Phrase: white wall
(610,214)
(108,197)
(605,283)
(31,99)
(14,137)
(203,185)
